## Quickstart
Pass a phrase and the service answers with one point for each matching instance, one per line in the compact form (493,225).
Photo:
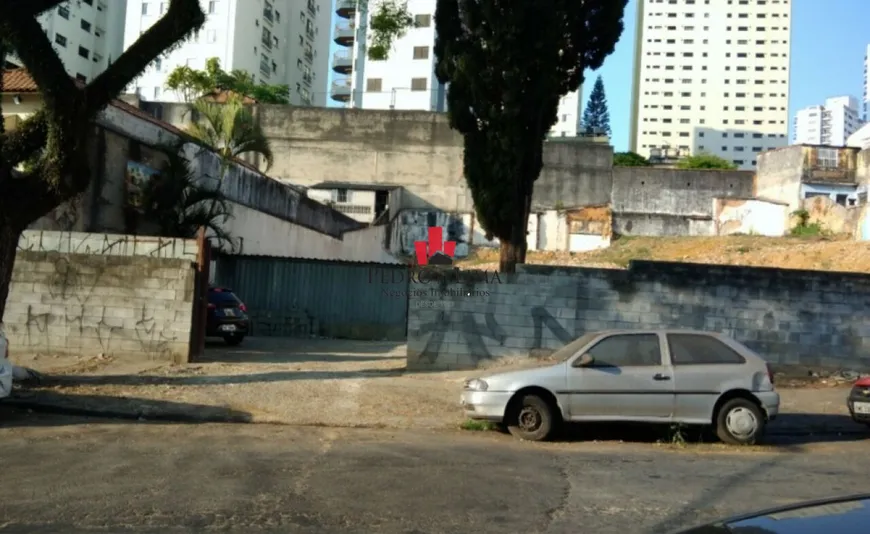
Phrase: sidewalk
(318,382)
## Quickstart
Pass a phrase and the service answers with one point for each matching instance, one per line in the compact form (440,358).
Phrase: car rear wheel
(739,422)
(233,339)
(531,418)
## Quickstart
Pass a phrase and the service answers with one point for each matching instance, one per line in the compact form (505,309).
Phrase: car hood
(846,515)
(552,375)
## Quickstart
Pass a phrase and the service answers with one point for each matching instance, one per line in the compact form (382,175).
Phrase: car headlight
(475,384)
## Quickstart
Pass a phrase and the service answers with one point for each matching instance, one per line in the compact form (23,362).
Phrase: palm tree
(230,130)
(180,205)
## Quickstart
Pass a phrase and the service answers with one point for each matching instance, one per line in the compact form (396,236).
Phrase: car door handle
(659,376)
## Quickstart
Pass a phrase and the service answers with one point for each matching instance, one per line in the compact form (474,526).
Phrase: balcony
(342,62)
(341,89)
(309,55)
(312,8)
(344,34)
(345,9)
(265,69)
(268,15)
(310,31)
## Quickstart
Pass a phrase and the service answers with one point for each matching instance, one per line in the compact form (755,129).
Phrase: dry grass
(828,253)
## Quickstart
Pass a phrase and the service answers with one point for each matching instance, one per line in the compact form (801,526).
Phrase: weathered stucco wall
(778,175)
(89,294)
(124,136)
(750,216)
(789,317)
(672,202)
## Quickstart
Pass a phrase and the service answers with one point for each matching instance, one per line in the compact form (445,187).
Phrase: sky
(829,39)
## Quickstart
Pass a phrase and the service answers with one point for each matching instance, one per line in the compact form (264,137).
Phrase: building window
(84,52)
(158,64)
(422,21)
(374,85)
(418,84)
(212,7)
(63,11)
(144,8)
(421,52)
(341,196)
(60,39)
(86,26)
(828,158)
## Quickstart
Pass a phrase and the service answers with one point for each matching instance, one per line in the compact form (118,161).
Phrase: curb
(167,417)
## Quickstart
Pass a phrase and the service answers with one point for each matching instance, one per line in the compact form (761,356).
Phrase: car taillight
(243,307)
(211,306)
(770,373)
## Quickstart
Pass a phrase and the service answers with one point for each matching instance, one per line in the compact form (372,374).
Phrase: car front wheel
(739,422)
(531,418)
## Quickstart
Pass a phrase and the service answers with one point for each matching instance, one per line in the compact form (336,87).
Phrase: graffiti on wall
(483,339)
(107,244)
(76,315)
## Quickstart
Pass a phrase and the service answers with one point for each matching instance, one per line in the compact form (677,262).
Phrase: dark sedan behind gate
(227,316)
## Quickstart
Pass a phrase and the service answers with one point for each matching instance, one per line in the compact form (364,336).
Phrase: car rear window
(216,296)
(694,349)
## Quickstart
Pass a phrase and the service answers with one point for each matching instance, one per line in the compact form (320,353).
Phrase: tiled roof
(18,81)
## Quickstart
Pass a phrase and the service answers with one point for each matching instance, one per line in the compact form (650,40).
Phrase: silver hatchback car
(664,376)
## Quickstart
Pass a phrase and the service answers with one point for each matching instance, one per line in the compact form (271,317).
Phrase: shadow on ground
(289,350)
(790,430)
(211,380)
(29,407)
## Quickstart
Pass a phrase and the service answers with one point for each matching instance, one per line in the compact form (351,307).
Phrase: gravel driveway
(318,382)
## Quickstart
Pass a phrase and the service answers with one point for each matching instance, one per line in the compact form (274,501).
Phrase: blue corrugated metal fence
(301,298)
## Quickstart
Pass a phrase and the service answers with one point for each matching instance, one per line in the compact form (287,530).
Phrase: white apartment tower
(406,79)
(275,41)
(830,124)
(711,76)
(87,35)
(866,100)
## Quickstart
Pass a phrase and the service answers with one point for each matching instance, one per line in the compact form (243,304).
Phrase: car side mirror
(585,360)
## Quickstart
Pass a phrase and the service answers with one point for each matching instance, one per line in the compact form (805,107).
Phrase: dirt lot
(815,253)
(318,382)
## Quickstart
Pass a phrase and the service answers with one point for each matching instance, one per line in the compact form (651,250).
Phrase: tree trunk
(9,235)
(509,256)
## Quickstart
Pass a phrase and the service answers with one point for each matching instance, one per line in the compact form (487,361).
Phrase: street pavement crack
(307,471)
(558,512)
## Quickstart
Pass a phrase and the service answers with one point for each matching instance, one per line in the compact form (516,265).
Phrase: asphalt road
(72,475)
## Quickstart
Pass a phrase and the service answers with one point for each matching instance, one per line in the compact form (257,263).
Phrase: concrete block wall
(806,318)
(76,294)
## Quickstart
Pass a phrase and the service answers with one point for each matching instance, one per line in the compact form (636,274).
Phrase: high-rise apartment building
(830,124)
(865,115)
(275,41)
(87,35)
(406,79)
(711,76)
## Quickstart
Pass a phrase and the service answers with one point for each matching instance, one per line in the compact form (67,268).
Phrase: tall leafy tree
(596,115)
(192,84)
(507,64)
(54,140)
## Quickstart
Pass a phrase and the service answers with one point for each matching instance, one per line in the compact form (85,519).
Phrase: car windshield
(571,348)
(222,297)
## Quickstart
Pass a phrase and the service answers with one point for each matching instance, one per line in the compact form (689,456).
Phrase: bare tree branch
(181,17)
(26,37)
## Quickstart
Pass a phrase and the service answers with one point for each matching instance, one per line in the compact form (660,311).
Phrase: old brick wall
(790,317)
(79,294)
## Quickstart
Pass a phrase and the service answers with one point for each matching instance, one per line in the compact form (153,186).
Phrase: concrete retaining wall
(790,317)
